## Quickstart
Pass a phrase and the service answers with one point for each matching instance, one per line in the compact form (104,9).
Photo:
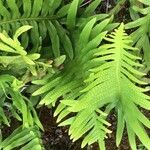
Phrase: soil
(55,138)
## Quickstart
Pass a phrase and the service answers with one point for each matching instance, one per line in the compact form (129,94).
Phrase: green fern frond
(72,78)
(111,84)
(141,34)
(39,14)
(24,139)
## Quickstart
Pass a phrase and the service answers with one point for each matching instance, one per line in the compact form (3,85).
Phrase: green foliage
(65,54)
(72,79)
(14,54)
(111,67)
(141,34)
(26,138)
(141,147)
(15,58)
(11,87)
(39,14)
(45,16)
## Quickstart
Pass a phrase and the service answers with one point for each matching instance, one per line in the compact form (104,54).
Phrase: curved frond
(70,83)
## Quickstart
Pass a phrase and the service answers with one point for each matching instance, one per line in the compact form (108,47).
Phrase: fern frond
(112,84)
(42,16)
(23,138)
(141,34)
(72,78)
(39,14)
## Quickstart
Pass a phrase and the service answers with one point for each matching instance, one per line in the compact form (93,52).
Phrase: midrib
(118,66)
(27,19)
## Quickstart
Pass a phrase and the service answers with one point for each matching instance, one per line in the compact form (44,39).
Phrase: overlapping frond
(101,75)
(69,84)
(71,79)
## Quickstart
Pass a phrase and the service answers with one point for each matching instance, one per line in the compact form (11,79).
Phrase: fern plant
(89,38)
(62,54)
(109,81)
(21,109)
(112,84)
(15,59)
